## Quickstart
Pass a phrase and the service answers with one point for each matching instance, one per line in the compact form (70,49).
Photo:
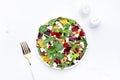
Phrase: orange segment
(41,44)
(61,40)
(46,59)
(63,21)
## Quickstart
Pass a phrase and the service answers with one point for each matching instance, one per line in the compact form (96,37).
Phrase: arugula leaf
(51,22)
(66,26)
(39,51)
(62,35)
(48,39)
(59,18)
(58,46)
(55,43)
(71,43)
(51,50)
(77,42)
(74,56)
(50,53)
(59,55)
(68,31)
(62,65)
(65,33)
(85,44)
(51,64)
(71,21)
(43,28)
(74,46)
(60,29)
(56,30)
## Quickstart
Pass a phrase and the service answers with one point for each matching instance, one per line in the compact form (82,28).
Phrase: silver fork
(27,54)
(26,51)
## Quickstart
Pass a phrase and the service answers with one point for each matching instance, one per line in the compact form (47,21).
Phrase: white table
(20,20)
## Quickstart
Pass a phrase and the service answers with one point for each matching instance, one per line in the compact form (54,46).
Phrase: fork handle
(32,73)
(33,68)
(29,61)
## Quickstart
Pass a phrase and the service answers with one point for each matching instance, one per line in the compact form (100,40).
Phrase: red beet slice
(75,28)
(57,61)
(82,33)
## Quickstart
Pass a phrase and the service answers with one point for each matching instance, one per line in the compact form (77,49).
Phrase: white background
(20,20)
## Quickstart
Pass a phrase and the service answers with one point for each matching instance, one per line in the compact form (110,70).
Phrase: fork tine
(22,46)
(25,47)
(28,49)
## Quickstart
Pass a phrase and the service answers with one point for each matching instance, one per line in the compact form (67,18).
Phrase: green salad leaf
(59,55)
(85,44)
(62,65)
(43,28)
(48,39)
(58,46)
(50,52)
(71,21)
(71,43)
(62,36)
(39,51)
(74,46)
(51,64)
(56,30)
(66,26)
(74,56)
(52,22)
(65,33)
(59,18)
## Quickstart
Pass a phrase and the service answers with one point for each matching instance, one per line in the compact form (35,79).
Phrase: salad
(61,42)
